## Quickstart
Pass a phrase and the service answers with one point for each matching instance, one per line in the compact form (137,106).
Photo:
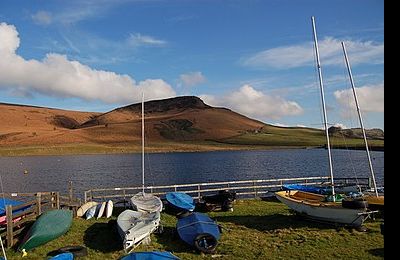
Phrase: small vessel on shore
(50,225)
(153,255)
(134,227)
(200,231)
(179,202)
(82,209)
(142,201)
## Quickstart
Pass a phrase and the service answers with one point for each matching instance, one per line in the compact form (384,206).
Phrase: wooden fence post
(57,200)
(10,223)
(39,203)
(70,191)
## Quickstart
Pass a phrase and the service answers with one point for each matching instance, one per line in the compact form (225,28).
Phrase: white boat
(146,202)
(314,206)
(109,208)
(82,209)
(135,227)
(142,201)
(101,210)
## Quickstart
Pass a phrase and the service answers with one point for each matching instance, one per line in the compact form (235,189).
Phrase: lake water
(52,173)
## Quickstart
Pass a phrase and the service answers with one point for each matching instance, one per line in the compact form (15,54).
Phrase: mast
(321,84)
(360,118)
(143,142)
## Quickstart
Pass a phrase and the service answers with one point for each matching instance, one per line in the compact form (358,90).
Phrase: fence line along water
(243,189)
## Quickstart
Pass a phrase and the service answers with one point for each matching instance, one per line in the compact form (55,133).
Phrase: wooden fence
(20,216)
(243,189)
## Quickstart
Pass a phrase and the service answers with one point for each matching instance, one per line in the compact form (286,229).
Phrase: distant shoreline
(86,149)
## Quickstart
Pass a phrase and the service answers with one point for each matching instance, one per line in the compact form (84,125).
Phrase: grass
(256,229)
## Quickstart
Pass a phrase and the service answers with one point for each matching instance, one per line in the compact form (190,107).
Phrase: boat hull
(154,255)
(50,225)
(135,226)
(180,201)
(146,202)
(314,207)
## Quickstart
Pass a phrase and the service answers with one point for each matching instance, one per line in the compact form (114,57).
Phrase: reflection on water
(52,173)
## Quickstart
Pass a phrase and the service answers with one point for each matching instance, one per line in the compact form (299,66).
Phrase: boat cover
(196,225)
(154,255)
(180,200)
(146,202)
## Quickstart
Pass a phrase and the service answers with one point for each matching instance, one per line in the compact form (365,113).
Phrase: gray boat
(134,227)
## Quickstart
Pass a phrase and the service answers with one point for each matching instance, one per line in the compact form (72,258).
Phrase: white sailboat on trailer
(315,206)
(135,227)
(142,201)
(375,201)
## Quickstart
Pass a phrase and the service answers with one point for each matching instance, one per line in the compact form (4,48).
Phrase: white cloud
(138,39)
(256,104)
(57,76)
(330,50)
(192,78)
(42,18)
(370,99)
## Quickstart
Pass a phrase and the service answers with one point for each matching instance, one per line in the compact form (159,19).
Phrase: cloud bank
(191,79)
(370,99)
(55,75)
(330,51)
(253,103)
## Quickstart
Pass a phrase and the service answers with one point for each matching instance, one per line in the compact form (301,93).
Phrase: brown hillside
(175,119)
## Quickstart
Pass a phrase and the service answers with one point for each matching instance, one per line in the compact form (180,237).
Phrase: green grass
(256,229)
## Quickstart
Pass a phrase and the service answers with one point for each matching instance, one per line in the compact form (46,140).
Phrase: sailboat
(321,207)
(375,201)
(142,201)
(136,226)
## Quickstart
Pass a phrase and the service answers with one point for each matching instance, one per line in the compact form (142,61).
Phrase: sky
(255,57)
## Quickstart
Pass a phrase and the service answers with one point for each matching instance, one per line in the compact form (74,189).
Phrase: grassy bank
(256,229)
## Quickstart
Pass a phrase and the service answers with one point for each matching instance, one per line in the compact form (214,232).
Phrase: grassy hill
(175,124)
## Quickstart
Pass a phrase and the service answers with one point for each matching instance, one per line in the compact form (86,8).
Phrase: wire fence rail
(243,189)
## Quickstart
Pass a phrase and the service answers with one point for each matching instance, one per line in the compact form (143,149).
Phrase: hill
(175,124)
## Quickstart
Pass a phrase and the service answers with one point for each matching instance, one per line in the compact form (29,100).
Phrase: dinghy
(154,255)
(82,209)
(91,212)
(179,203)
(50,225)
(200,231)
(101,210)
(135,226)
(109,208)
(142,201)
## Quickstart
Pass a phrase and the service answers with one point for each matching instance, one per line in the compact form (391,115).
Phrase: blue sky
(255,57)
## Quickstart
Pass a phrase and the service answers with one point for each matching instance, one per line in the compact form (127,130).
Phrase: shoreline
(93,149)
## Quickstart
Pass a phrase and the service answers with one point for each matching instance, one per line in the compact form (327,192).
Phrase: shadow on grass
(377,252)
(170,239)
(273,222)
(103,237)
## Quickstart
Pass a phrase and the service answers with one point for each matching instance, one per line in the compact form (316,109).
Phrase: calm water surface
(52,173)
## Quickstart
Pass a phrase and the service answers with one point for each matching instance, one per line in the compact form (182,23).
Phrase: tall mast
(360,117)
(321,84)
(143,142)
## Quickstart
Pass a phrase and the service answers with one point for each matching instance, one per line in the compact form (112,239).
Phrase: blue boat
(307,188)
(200,231)
(63,256)
(154,255)
(180,201)
(3,203)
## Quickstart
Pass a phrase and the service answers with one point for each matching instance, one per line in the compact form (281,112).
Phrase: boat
(135,226)
(321,207)
(91,212)
(49,226)
(3,203)
(200,231)
(142,201)
(152,255)
(223,200)
(375,201)
(82,209)
(63,256)
(101,210)
(323,189)
(109,208)
(179,203)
